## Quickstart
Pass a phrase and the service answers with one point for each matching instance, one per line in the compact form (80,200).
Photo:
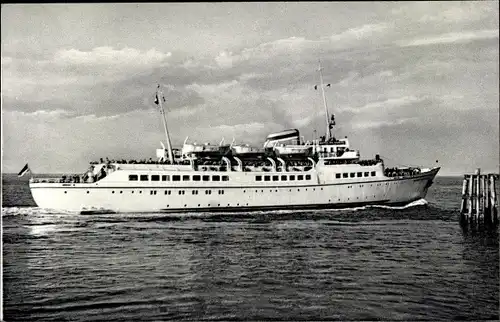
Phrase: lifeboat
(293,151)
(246,151)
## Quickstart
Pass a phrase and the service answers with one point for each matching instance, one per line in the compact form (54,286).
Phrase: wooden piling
(493,200)
(463,206)
(484,195)
(479,200)
(470,197)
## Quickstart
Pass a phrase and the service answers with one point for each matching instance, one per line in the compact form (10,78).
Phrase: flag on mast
(24,170)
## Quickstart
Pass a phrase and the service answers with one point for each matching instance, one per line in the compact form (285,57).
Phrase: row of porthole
(239,204)
(206,192)
(222,192)
(218,205)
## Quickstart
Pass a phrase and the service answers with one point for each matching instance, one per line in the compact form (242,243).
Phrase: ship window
(176,178)
(352,174)
(165,178)
(144,177)
(337,175)
(300,177)
(276,178)
(373,173)
(215,178)
(292,177)
(308,177)
(225,178)
(196,178)
(366,174)
(331,149)
(258,178)
(345,175)
(155,177)
(283,178)
(185,178)
(360,174)
(195,192)
(267,178)
(206,178)
(132,177)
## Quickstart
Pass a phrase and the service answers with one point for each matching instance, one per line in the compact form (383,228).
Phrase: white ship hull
(240,193)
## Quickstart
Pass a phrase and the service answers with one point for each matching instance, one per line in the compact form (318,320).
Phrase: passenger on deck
(89,175)
(102,174)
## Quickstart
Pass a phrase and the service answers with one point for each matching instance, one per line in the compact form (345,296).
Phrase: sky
(414,82)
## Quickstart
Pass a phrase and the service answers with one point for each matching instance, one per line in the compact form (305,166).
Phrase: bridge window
(300,177)
(215,178)
(155,177)
(206,178)
(267,178)
(360,174)
(292,177)
(352,174)
(176,178)
(373,173)
(283,178)
(225,178)
(345,175)
(308,177)
(132,177)
(185,178)
(258,178)
(276,178)
(366,174)
(337,175)
(144,177)
(165,178)
(196,178)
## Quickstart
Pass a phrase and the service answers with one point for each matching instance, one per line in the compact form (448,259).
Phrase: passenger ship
(286,173)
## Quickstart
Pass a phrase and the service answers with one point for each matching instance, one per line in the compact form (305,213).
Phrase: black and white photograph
(250,161)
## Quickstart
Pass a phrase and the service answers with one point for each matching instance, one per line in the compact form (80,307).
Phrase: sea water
(368,263)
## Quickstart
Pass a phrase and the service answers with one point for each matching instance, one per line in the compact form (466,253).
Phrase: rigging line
(396,163)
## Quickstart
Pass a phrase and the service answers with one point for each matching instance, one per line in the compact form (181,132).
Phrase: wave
(416,203)
(26,211)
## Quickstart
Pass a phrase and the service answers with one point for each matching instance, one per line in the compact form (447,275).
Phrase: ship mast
(159,99)
(328,133)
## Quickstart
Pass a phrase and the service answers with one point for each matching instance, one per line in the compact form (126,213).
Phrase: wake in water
(416,203)
(35,211)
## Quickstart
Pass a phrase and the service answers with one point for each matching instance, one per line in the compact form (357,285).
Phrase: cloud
(46,114)
(361,32)
(452,37)
(108,56)
(381,105)
(460,12)
(379,124)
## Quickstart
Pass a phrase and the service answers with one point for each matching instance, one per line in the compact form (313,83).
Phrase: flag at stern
(24,170)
